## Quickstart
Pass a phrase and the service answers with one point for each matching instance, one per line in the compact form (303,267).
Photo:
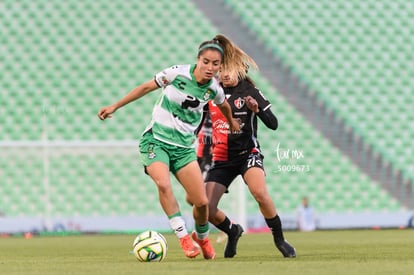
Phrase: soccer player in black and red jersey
(238,153)
(205,141)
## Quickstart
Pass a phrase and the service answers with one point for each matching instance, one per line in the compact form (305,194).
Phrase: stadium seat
(361,31)
(65,59)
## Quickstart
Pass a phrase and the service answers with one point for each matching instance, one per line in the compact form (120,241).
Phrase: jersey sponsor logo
(181,85)
(221,126)
(190,101)
(239,103)
(240,113)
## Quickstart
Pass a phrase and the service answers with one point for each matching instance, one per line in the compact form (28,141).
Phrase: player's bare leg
(160,174)
(217,217)
(192,180)
(255,180)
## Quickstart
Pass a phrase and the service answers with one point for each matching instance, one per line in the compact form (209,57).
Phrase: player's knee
(187,199)
(201,203)
(164,187)
(262,197)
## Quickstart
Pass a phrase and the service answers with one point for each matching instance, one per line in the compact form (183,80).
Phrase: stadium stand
(355,55)
(64,59)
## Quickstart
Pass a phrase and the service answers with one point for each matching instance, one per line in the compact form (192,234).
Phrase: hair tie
(211,45)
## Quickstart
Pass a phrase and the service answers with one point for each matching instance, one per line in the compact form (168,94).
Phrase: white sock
(178,225)
(202,236)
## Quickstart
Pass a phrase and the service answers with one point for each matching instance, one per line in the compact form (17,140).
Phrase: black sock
(276,226)
(226,227)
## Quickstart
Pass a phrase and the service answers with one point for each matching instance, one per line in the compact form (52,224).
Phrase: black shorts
(224,172)
(204,162)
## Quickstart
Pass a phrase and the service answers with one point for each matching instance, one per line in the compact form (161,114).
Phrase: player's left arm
(268,118)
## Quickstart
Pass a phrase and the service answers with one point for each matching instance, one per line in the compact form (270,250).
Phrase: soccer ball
(150,246)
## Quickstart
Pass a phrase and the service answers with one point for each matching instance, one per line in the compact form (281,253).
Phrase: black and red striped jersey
(204,136)
(227,145)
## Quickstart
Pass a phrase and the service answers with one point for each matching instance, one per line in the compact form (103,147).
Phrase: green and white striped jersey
(178,111)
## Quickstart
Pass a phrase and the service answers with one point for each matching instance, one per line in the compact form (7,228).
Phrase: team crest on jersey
(239,103)
(207,95)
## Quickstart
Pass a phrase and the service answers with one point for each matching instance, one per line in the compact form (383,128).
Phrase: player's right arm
(234,123)
(134,94)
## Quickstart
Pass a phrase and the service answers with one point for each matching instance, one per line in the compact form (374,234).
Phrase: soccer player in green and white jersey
(167,144)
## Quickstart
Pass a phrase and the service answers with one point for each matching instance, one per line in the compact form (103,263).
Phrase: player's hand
(251,103)
(106,112)
(235,125)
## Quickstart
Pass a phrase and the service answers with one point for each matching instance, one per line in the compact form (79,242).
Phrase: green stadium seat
(67,73)
(368,46)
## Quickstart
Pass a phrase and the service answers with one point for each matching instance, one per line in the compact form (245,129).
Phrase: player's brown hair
(235,60)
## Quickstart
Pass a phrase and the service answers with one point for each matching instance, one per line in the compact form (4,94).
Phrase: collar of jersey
(192,68)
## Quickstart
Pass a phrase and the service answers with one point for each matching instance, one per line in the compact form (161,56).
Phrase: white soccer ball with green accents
(150,246)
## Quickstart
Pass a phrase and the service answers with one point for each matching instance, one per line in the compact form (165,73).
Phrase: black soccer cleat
(287,250)
(231,245)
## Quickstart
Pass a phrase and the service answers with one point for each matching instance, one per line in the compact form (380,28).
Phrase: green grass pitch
(321,252)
